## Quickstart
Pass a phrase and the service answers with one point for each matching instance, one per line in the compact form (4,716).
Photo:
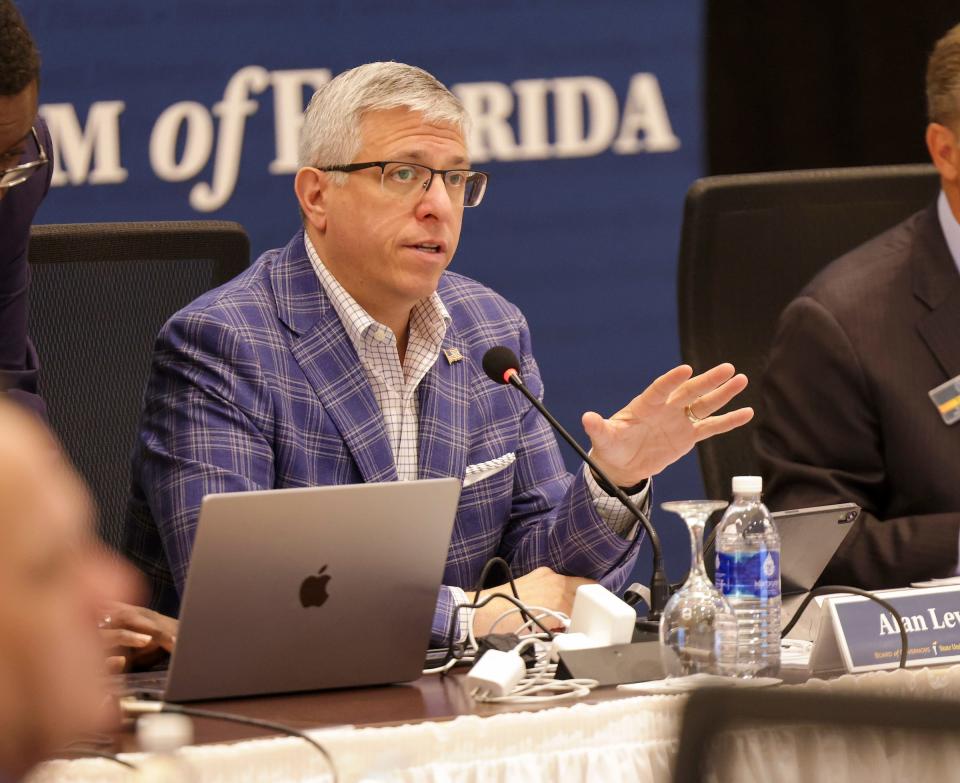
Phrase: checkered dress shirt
(394,385)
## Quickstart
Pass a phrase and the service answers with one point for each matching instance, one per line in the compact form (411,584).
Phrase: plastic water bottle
(748,575)
(162,735)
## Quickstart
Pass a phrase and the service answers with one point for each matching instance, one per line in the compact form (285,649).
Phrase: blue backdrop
(587,118)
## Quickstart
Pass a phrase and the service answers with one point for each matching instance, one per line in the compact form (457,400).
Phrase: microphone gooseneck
(502,366)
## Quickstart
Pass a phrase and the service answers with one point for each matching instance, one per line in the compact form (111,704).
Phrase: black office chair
(100,293)
(719,722)
(749,245)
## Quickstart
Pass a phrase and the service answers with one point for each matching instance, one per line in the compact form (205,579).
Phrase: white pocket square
(484,470)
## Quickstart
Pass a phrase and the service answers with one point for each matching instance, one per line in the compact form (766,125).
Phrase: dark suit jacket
(847,415)
(18,359)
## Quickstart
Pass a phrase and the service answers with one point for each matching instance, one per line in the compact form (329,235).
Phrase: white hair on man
(331,127)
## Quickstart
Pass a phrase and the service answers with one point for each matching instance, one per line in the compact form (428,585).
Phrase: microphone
(502,366)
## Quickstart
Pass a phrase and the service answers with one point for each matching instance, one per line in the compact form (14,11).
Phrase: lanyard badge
(947,399)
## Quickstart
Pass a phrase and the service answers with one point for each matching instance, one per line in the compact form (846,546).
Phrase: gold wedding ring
(691,416)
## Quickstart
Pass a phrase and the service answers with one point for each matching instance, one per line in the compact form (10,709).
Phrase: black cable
(496,560)
(451,651)
(487,567)
(481,581)
(259,723)
(833,589)
(97,754)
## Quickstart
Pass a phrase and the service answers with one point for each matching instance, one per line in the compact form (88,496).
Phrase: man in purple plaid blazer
(352,355)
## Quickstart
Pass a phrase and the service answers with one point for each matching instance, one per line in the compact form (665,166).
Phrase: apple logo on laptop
(313,591)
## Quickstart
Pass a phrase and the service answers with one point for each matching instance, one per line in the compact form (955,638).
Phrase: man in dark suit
(848,409)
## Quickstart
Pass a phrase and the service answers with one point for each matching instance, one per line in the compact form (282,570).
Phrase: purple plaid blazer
(256,385)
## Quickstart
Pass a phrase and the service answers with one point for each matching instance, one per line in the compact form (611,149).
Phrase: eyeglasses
(20,174)
(404,179)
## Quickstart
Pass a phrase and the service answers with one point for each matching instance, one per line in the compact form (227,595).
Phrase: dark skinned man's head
(19,80)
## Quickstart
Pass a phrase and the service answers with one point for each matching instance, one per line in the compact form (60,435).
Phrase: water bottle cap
(747,485)
(163,732)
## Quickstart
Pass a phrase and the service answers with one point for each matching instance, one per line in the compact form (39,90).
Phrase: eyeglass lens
(405,178)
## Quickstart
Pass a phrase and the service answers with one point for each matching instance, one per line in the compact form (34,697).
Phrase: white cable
(134,706)
(544,612)
(530,690)
(539,685)
(471,639)
(471,642)
(471,647)
(448,665)
(573,689)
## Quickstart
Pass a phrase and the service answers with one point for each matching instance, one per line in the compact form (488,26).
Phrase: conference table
(431,730)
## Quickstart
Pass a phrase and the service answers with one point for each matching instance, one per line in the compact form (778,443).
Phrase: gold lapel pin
(453,355)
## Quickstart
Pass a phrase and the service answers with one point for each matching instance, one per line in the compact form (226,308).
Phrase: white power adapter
(497,673)
(602,616)
(570,641)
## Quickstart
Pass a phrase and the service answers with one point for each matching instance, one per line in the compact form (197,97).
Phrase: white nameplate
(859,635)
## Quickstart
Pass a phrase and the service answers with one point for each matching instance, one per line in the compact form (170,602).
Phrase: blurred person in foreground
(55,580)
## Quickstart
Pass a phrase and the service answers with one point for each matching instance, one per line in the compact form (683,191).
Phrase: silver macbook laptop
(307,589)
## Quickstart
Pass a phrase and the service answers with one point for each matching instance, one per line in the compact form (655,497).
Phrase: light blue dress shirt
(951,232)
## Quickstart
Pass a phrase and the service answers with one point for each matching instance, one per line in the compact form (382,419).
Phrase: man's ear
(312,188)
(944,152)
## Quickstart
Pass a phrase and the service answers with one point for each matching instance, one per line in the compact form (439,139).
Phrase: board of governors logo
(528,119)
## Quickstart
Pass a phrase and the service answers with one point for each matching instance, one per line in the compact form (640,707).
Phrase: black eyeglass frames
(404,179)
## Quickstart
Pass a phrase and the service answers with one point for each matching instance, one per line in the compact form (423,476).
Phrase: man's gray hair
(331,124)
(943,80)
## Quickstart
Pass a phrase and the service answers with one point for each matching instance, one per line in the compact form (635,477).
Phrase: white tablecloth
(626,740)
